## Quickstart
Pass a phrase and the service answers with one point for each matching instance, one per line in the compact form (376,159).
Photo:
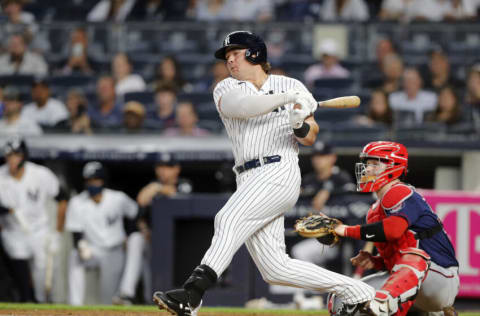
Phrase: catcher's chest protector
(389,250)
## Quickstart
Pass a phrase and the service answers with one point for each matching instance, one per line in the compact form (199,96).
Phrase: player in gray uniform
(265,128)
(95,218)
(25,188)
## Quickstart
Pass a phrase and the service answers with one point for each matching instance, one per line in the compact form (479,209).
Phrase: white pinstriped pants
(254,215)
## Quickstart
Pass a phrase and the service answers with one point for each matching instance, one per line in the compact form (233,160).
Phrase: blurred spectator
(460,10)
(392,71)
(111,10)
(408,10)
(167,182)
(106,112)
(277,45)
(125,80)
(383,48)
(13,122)
(439,74)
(18,21)
(250,10)
(19,60)
(2,103)
(169,71)
(162,114)
(326,178)
(133,117)
(412,99)
(210,10)
(448,110)
(78,121)
(378,111)
(159,10)
(472,98)
(344,10)
(77,60)
(329,67)
(217,73)
(44,109)
(187,120)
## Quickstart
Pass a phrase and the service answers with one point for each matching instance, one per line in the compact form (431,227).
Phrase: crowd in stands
(75,83)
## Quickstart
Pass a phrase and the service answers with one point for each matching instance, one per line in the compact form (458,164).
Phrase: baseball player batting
(265,116)
(416,257)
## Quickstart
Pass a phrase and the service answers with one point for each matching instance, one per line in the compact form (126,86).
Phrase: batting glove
(305,99)
(54,241)
(84,250)
(297,117)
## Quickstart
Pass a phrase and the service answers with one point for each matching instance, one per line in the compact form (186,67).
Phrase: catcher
(416,258)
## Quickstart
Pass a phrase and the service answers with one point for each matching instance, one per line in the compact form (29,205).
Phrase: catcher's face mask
(368,174)
(381,163)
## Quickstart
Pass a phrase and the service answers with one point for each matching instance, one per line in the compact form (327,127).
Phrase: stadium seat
(337,83)
(145,98)
(19,81)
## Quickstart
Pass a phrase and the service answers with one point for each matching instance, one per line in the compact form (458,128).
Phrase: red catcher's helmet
(393,155)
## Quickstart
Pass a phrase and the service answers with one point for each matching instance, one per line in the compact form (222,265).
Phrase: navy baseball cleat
(176,303)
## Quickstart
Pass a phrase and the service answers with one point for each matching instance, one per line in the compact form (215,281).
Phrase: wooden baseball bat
(341,103)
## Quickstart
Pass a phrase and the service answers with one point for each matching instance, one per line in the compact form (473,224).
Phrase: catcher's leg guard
(398,293)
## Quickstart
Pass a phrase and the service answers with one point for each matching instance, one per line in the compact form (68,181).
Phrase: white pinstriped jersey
(265,135)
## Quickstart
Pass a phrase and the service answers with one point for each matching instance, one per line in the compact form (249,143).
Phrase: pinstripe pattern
(254,213)
(265,135)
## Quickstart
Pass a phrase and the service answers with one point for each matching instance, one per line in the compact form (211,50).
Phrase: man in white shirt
(19,60)
(95,217)
(413,98)
(44,109)
(13,122)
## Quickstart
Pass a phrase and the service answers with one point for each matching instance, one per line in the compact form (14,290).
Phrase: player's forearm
(311,136)
(389,229)
(146,195)
(235,104)
(61,211)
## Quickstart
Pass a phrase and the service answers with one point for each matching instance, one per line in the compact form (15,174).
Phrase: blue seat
(19,81)
(334,83)
(71,81)
(145,98)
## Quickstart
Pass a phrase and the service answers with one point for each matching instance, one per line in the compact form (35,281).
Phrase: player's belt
(256,163)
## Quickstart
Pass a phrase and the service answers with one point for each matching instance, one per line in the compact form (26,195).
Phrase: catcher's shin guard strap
(373,232)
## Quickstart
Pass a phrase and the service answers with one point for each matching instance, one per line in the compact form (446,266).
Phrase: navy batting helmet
(256,49)
(16,144)
(93,170)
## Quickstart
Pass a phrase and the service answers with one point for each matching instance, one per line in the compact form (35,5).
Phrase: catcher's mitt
(320,227)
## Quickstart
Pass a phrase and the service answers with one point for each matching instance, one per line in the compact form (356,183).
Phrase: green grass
(142,308)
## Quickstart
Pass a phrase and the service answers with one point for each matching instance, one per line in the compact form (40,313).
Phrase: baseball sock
(202,278)
(21,274)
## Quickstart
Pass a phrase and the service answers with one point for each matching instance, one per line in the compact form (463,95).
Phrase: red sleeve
(353,232)
(394,227)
